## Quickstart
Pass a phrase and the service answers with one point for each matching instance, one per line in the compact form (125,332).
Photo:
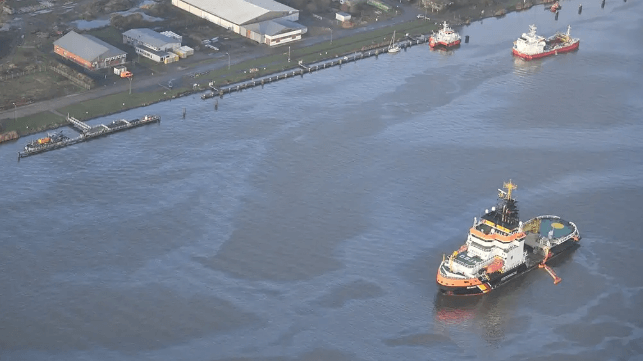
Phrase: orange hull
(457,282)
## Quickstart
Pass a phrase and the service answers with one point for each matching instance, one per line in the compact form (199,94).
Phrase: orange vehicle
(126,74)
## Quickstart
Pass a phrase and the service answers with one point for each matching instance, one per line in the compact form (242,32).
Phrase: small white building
(275,32)
(157,56)
(341,16)
(119,69)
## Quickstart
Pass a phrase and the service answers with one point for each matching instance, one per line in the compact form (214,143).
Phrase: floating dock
(87,133)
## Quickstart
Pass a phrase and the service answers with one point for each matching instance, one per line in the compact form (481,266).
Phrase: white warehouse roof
(240,11)
(150,36)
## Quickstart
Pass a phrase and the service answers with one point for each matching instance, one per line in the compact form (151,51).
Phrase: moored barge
(58,140)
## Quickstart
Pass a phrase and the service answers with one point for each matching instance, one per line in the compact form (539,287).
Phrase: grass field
(33,123)
(116,102)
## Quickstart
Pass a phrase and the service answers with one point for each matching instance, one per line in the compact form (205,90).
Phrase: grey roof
(274,27)
(341,13)
(150,37)
(241,11)
(87,47)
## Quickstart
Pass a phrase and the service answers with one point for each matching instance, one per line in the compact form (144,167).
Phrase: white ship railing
(574,233)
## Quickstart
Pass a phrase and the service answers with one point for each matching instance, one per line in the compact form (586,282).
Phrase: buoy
(183,113)
(216,105)
(466,39)
(580,9)
(556,18)
(603,4)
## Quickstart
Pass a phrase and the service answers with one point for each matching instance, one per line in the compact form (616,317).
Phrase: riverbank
(112,103)
(237,73)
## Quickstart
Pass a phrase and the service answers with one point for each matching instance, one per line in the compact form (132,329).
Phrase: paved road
(409,13)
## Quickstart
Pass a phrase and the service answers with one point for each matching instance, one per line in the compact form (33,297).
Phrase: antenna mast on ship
(509,186)
(509,211)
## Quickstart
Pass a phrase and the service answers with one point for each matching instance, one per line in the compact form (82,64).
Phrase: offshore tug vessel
(445,37)
(500,248)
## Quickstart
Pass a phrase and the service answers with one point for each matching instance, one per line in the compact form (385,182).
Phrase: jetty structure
(87,132)
(404,44)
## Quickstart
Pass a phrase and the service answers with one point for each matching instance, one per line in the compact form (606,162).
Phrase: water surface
(306,220)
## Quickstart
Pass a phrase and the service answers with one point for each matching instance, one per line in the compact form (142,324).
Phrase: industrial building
(264,21)
(88,51)
(152,45)
(150,39)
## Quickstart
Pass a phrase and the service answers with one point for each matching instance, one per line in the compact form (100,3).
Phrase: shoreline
(347,45)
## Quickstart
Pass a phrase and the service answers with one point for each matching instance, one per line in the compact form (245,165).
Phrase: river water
(306,220)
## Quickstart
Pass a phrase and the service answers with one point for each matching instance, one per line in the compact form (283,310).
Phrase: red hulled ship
(445,37)
(531,46)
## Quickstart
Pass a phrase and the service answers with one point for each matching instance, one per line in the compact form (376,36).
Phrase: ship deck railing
(573,234)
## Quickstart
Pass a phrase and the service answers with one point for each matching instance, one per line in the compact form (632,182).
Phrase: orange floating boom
(551,273)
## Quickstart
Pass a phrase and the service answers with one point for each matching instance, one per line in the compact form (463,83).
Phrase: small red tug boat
(445,37)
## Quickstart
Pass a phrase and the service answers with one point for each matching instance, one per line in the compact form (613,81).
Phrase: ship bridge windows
(487,229)
(481,247)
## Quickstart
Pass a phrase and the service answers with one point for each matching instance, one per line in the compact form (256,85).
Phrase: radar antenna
(509,186)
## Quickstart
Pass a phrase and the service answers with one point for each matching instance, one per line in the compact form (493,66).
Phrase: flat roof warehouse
(264,21)
(241,12)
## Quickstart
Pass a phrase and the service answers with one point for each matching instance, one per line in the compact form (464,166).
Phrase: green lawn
(33,123)
(115,102)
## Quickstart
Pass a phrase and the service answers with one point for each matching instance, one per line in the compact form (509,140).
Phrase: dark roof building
(89,51)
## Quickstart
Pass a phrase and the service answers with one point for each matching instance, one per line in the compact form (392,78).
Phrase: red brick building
(88,51)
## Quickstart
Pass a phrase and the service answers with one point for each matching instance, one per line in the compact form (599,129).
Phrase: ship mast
(508,212)
(509,186)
